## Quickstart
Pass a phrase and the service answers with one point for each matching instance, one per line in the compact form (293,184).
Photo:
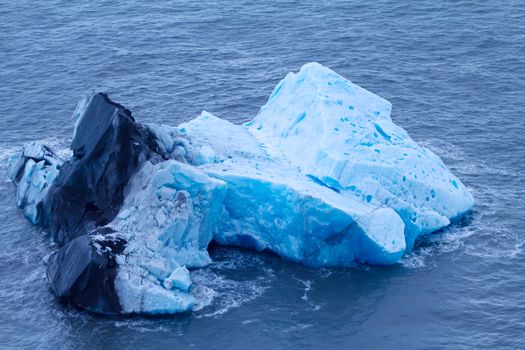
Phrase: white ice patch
(167,220)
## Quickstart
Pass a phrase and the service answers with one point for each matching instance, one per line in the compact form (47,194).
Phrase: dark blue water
(455,73)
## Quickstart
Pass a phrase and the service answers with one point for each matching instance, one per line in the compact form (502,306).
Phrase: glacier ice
(167,219)
(269,205)
(321,176)
(34,169)
(343,135)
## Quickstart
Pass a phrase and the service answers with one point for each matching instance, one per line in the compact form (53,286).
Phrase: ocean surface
(455,74)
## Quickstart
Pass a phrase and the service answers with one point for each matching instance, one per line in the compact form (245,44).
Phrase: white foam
(305,297)
(216,294)
(297,327)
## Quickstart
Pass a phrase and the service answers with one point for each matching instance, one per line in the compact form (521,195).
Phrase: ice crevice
(321,176)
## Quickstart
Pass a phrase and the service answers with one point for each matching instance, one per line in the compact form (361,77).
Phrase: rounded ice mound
(342,135)
(384,242)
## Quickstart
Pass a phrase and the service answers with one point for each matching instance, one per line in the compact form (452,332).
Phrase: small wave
(325,272)
(204,296)
(144,326)
(497,243)
(482,238)
(446,241)
(245,322)
(417,259)
(307,289)
(297,327)
(216,294)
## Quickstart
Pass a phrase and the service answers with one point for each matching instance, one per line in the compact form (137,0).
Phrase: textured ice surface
(270,205)
(167,219)
(342,135)
(33,169)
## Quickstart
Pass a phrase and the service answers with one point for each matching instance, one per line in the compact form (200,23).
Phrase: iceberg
(33,170)
(321,176)
(269,205)
(342,135)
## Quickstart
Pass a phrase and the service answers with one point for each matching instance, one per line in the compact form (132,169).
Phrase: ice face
(33,170)
(167,219)
(304,222)
(270,205)
(342,135)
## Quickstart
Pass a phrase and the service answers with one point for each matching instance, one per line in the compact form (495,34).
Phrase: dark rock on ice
(76,198)
(108,145)
(83,271)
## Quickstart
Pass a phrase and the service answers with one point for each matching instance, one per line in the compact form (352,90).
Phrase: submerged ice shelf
(321,176)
